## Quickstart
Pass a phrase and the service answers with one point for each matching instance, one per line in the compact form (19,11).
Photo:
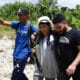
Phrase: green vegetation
(7,31)
(43,7)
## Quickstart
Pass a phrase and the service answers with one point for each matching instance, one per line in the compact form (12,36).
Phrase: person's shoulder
(33,25)
(15,22)
(75,30)
(75,33)
(55,33)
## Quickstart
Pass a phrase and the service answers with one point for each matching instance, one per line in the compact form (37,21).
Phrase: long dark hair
(40,35)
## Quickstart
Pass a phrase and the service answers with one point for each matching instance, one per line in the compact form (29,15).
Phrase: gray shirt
(46,56)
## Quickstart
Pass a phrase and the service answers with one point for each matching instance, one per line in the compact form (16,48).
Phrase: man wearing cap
(22,48)
(69,48)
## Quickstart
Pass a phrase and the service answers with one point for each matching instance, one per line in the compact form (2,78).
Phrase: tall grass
(7,31)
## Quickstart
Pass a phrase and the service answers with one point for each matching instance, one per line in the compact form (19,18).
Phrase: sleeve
(34,28)
(14,24)
(77,37)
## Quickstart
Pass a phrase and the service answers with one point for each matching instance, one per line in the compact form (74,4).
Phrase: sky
(69,3)
(61,3)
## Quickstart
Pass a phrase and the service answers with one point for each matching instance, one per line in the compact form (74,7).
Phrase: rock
(1,50)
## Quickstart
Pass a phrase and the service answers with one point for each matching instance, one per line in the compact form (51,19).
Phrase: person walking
(22,48)
(45,51)
(68,48)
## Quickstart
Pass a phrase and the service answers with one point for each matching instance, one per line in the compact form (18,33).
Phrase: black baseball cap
(58,18)
(23,11)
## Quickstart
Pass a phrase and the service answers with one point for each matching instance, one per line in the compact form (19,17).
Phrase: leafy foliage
(43,7)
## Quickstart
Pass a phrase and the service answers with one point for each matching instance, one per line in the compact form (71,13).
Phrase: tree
(48,7)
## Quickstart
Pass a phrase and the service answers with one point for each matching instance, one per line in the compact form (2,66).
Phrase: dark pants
(19,65)
(64,76)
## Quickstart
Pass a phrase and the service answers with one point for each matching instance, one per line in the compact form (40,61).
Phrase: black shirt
(68,47)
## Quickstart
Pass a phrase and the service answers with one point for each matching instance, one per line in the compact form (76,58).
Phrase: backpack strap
(30,29)
(30,33)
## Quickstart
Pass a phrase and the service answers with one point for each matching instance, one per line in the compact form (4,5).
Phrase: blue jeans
(19,66)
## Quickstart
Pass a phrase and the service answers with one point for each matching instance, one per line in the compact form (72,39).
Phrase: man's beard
(63,32)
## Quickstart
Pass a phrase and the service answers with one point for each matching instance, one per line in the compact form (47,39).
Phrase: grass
(7,31)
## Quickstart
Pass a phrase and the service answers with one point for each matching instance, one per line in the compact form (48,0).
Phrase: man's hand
(4,22)
(33,36)
(33,50)
(71,69)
